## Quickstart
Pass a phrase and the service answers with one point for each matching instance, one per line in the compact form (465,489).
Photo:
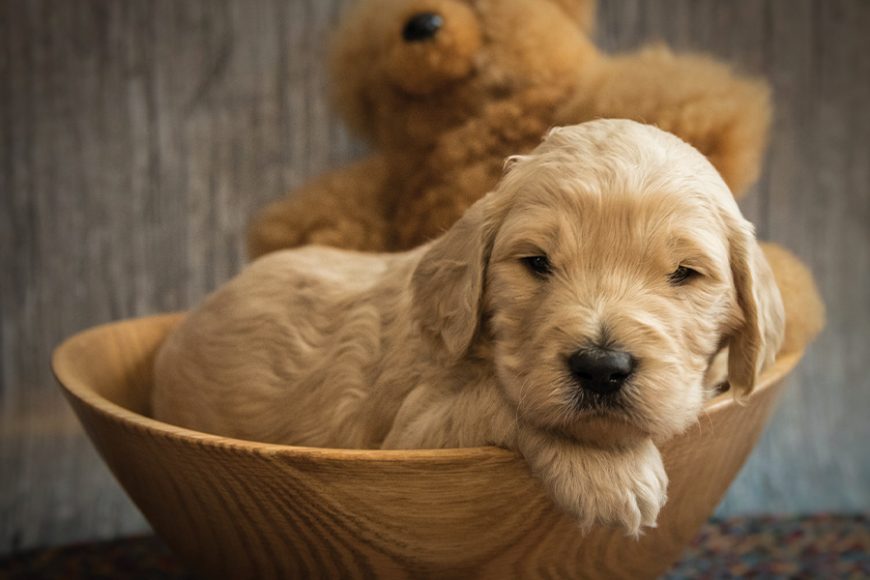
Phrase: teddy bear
(444,90)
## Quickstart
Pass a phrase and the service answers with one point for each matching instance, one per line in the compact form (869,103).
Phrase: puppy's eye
(538,265)
(682,275)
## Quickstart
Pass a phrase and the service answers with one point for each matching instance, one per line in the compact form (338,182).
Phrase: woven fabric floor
(824,547)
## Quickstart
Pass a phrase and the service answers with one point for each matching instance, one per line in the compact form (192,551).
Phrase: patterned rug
(820,547)
(824,547)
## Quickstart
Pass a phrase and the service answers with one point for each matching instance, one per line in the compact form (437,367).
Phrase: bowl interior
(120,361)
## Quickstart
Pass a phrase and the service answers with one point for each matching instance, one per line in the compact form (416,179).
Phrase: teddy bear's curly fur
(444,112)
(444,104)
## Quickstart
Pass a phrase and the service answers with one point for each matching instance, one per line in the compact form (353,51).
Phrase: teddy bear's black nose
(601,370)
(422,26)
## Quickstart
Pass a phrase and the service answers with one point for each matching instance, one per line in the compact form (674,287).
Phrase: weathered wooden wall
(137,137)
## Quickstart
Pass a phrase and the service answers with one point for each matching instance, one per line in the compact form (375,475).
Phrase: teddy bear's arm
(724,115)
(343,208)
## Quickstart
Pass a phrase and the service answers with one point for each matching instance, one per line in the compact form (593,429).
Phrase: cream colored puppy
(572,315)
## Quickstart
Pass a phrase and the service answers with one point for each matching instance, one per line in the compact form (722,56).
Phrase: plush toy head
(407,70)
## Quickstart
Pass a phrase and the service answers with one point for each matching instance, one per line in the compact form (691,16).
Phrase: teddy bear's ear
(581,11)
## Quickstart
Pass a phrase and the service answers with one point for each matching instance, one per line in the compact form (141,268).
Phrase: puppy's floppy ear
(756,341)
(581,11)
(448,283)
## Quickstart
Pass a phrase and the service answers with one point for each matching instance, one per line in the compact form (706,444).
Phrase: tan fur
(443,114)
(802,304)
(458,343)
(804,309)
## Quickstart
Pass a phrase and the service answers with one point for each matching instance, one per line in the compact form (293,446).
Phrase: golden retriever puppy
(571,315)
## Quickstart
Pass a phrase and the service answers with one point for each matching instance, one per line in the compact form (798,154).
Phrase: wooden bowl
(239,509)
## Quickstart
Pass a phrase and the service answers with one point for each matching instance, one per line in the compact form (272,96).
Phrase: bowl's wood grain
(240,509)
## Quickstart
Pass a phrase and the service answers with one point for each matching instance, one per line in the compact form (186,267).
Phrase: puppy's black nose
(601,370)
(422,27)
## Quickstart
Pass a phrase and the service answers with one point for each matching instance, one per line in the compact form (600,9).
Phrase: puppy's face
(615,265)
(607,300)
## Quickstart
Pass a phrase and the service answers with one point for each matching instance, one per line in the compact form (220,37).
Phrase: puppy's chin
(605,430)
(601,429)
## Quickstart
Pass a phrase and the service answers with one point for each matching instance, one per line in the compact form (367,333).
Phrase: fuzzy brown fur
(442,114)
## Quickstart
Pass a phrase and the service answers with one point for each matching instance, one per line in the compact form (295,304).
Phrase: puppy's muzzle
(601,370)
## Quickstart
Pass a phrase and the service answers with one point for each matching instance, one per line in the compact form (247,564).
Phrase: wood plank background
(137,137)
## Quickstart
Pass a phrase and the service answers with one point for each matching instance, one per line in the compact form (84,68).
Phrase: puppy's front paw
(635,486)
(625,487)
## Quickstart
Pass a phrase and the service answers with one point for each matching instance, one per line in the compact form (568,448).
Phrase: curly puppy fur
(462,343)
(442,113)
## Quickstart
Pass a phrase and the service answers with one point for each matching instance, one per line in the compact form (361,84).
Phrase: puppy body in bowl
(572,314)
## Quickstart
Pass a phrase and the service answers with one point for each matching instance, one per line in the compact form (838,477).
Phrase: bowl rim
(64,367)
